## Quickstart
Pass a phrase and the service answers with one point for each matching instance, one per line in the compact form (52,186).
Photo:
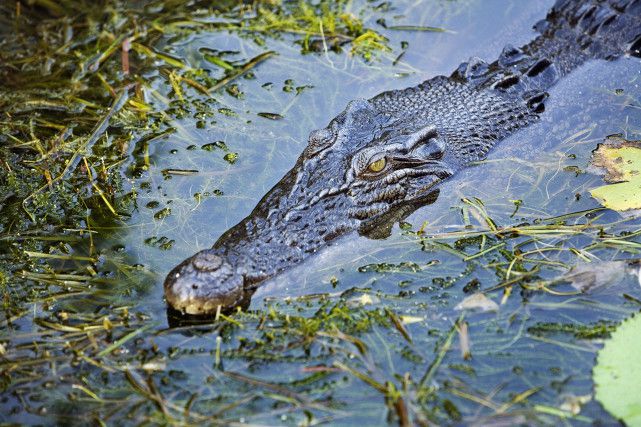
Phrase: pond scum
(79,106)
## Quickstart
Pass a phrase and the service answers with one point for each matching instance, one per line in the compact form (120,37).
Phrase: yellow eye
(378,165)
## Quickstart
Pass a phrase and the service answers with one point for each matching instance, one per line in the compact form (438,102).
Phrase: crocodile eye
(377,165)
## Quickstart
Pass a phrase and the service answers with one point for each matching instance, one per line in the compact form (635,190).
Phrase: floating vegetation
(600,330)
(162,214)
(385,267)
(321,26)
(616,374)
(231,158)
(271,116)
(479,302)
(621,160)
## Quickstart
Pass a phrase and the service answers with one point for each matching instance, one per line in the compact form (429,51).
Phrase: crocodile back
(481,103)
(576,31)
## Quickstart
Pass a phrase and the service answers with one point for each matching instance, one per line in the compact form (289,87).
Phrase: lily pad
(621,160)
(617,374)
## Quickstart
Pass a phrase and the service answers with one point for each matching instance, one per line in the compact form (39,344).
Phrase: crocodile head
(363,172)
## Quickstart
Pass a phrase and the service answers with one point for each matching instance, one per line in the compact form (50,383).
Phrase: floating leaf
(405,266)
(408,320)
(162,214)
(573,404)
(477,302)
(364,299)
(214,145)
(621,160)
(416,28)
(231,158)
(585,277)
(271,116)
(617,374)
(218,61)
(179,171)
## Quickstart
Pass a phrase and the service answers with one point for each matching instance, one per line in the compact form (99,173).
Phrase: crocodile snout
(203,282)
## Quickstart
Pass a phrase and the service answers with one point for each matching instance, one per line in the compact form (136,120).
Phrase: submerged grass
(87,91)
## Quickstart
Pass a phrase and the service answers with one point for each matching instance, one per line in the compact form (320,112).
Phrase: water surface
(322,342)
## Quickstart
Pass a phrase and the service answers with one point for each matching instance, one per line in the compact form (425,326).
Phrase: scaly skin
(382,158)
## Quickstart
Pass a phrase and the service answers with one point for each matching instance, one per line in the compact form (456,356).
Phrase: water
(177,215)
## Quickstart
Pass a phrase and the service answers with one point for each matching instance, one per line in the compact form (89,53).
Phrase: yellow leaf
(408,320)
(478,302)
(621,160)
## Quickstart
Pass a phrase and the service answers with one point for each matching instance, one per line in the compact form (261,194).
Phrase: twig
(245,68)
(441,354)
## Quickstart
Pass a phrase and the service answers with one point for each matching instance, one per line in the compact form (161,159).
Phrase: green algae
(600,330)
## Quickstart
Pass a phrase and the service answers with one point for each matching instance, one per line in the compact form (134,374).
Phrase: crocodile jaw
(203,283)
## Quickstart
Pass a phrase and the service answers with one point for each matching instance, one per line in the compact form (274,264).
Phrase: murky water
(236,155)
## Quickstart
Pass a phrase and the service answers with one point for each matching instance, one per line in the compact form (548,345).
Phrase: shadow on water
(365,332)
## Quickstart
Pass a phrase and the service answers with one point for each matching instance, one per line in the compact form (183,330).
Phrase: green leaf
(621,160)
(617,374)
(219,62)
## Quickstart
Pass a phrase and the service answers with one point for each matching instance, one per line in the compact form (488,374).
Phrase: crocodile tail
(572,33)
(481,103)
(594,29)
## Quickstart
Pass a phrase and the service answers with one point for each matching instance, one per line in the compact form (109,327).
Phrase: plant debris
(621,160)
(478,302)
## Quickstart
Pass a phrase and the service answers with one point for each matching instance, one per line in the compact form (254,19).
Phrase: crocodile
(382,158)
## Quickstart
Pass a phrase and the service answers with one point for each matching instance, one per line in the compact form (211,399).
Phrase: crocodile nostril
(194,286)
(207,261)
